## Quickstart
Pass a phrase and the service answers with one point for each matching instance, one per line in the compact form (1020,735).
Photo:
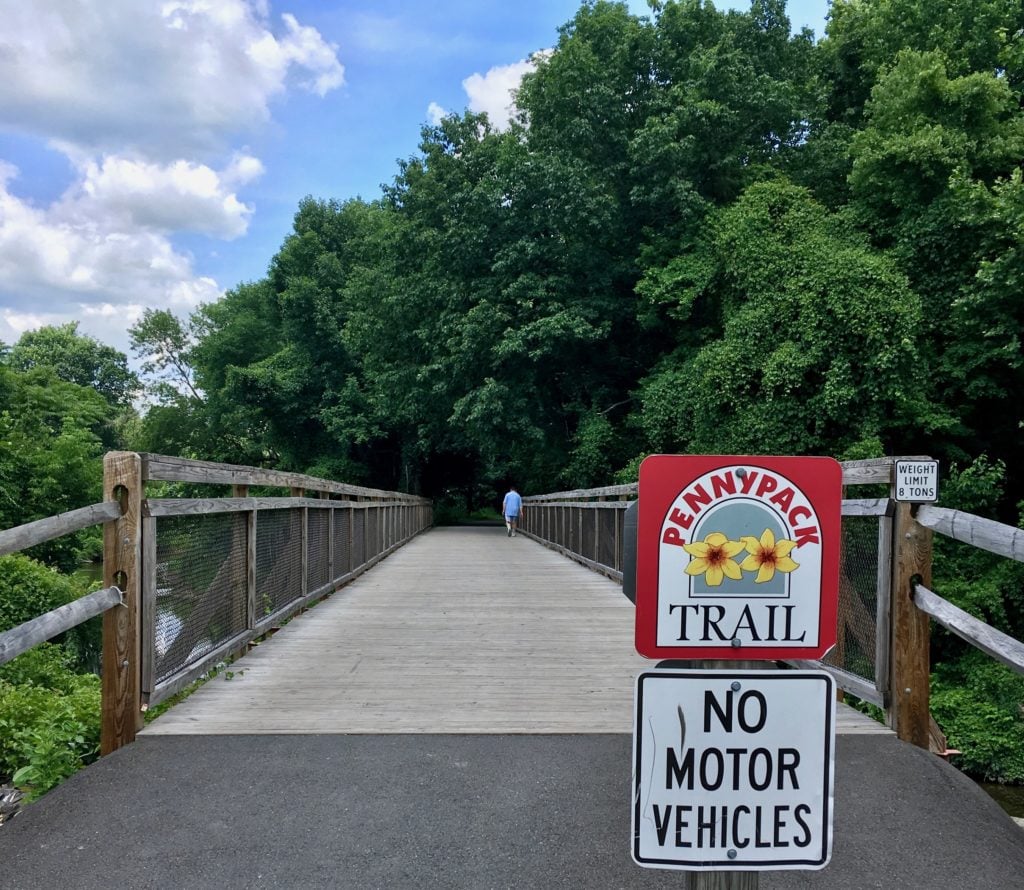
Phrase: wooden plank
(883,614)
(20,639)
(867,507)
(31,533)
(995,537)
(588,505)
(122,558)
(202,506)
(304,546)
(876,470)
(911,564)
(147,611)
(462,630)
(995,643)
(722,880)
(580,493)
(242,491)
(160,467)
(846,681)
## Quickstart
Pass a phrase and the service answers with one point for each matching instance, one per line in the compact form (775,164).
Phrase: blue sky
(153,152)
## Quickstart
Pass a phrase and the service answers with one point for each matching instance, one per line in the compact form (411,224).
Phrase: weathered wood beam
(986,534)
(867,507)
(20,639)
(911,565)
(122,565)
(31,533)
(579,493)
(995,643)
(163,468)
(205,506)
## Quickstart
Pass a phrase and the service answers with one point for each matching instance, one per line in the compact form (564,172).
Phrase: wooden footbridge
(443,707)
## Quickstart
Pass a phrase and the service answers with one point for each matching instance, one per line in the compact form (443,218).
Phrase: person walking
(511,509)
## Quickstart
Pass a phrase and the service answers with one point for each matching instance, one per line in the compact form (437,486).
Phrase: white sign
(917,481)
(733,770)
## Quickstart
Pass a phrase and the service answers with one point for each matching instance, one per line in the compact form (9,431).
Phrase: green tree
(808,339)
(50,454)
(77,358)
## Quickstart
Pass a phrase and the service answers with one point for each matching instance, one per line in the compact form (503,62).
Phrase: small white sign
(917,481)
(733,770)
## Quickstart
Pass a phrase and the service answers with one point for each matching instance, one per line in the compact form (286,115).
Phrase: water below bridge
(458,717)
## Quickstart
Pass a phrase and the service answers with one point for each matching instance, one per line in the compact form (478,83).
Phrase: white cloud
(94,256)
(435,113)
(125,193)
(163,80)
(147,100)
(493,92)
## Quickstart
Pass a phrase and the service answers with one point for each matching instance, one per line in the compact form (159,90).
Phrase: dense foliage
(49,704)
(703,233)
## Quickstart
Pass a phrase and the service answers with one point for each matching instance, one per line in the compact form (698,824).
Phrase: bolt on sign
(733,770)
(737,557)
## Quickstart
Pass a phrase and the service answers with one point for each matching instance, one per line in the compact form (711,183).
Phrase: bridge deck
(460,631)
(436,706)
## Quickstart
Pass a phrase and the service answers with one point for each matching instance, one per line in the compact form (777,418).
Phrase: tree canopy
(702,232)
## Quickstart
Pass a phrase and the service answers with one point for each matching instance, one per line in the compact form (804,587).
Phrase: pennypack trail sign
(733,770)
(737,557)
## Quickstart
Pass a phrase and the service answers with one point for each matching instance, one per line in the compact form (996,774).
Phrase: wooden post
(911,561)
(304,541)
(722,880)
(331,574)
(726,880)
(242,491)
(351,536)
(121,715)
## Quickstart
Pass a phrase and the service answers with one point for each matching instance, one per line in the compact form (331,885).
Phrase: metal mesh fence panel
(358,538)
(278,560)
(606,537)
(342,550)
(858,598)
(201,587)
(588,525)
(318,537)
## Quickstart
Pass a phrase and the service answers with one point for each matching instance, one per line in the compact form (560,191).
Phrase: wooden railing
(898,632)
(20,639)
(178,610)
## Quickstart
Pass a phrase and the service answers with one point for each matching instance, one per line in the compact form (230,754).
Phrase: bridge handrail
(22,637)
(386,520)
(163,468)
(986,534)
(21,537)
(988,639)
(900,630)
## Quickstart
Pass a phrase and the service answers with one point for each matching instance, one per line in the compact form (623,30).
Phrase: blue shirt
(512,504)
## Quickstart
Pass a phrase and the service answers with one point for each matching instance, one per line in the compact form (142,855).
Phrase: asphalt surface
(460,811)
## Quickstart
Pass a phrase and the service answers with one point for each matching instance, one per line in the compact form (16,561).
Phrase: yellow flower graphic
(713,558)
(767,556)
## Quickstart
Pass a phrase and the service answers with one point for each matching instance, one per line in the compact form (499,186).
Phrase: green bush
(29,589)
(47,666)
(50,726)
(979,704)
